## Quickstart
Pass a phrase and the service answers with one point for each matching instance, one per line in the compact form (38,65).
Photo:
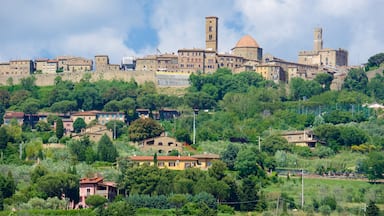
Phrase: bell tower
(318,39)
(211,29)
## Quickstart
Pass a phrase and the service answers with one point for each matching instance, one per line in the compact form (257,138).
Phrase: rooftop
(247,41)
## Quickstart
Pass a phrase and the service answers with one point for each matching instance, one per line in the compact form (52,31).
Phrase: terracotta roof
(86,113)
(11,114)
(91,180)
(162,158)
(207,156)
(247,41)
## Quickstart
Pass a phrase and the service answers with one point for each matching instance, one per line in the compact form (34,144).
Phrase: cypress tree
(59,128)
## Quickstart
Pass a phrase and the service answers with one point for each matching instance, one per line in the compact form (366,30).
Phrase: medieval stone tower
(318,39)
(211,32)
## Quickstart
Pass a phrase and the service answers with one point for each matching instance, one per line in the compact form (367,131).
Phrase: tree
(42,126)
(95,201)
(229,155)
(59,184)
(79,124)
(217,170)
(116,126)
(7,185)
(373,166)
(144,128)
(28,83)
(372,209)
(376,60)
(273,143)
(119,208)
(325,80)
(82,149)
(59,128)
(106,151)
(376,87)
(38,172)
(64,106)
(356,80)
(3,138)
(250,162)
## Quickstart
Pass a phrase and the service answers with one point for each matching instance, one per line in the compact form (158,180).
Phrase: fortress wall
(49,79)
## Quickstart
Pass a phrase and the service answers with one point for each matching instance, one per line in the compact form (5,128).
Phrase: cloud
(43,28)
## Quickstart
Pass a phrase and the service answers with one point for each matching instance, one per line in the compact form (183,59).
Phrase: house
(162,145)
(104,117)
(143,113)
(204,161)
(94,133)
(168,114)
(301,138)
(170,162)
(68,125)
(18,116)
(95,186)
(88,116)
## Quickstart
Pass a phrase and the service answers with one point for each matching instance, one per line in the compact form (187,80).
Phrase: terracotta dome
(247,41)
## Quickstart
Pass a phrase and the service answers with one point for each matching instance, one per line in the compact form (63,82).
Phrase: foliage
(375,60)
(57,184)
(3,138)
(356,80)
(82,149)
(95,201)
(144,128)
(119,208)
(59,128)
(79,124)
(373,166)
(106,151)
(229,156)
(250,162)
(273,143)
(372,209)
(116,126)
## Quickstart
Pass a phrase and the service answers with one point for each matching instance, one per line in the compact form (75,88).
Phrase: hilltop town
(173,70)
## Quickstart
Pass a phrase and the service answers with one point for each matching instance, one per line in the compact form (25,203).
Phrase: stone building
(102,64)
(74,64)
(17,67)
(46,66)
(191,60)
(320,56)
(248,48)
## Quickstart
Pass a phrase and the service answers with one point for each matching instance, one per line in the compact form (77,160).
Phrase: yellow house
(204,161)
(170,162)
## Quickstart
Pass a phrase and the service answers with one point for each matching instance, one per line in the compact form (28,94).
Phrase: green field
(351,195)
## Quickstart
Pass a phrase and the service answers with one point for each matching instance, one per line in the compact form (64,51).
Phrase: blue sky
(49,28)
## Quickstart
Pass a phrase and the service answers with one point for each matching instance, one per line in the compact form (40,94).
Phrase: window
(210,37)
(210,29)
(171,164)
(88,191)
(160,143)
(160,164)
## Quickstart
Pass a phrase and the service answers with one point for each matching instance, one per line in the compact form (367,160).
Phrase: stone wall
(49,79)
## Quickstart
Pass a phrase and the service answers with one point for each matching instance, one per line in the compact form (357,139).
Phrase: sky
(118,28)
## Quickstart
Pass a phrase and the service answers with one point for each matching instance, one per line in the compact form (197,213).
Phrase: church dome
(247,41)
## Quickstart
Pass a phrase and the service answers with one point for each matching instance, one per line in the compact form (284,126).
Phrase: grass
(349,194)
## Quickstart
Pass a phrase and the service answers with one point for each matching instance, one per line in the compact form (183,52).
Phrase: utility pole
(302,189)
(195,112)
(277,206)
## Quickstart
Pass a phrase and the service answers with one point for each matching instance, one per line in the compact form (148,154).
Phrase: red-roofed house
(95,186)
(18,116)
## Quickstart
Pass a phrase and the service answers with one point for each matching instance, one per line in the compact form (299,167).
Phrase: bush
(225,209)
